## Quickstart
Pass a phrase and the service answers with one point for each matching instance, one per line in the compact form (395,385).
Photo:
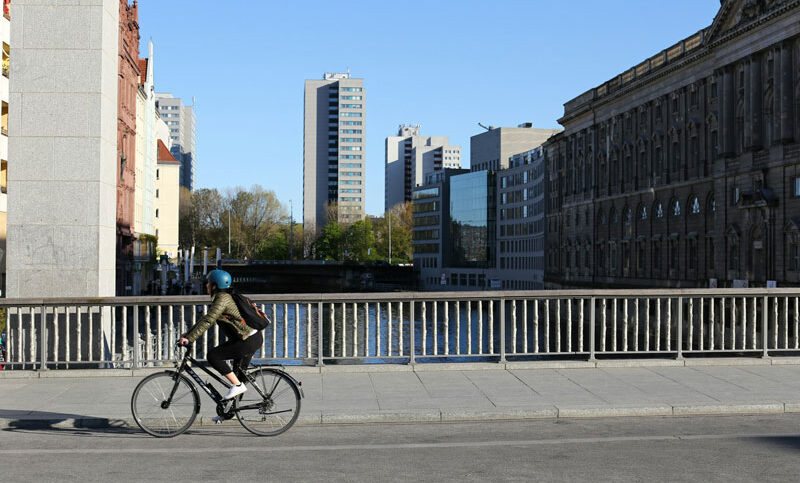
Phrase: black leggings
(241,351)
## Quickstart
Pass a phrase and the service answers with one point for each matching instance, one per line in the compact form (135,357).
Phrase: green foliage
(274,247)
(359,241)
(329,245)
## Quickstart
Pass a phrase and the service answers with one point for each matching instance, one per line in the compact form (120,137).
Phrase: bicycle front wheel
(271,404)
(165,404)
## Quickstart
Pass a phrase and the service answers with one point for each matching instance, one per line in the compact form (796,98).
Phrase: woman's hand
(183,341)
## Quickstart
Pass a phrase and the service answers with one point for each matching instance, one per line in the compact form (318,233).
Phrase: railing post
(135,337)
(591,330)
(412,329)
(503,330)
(764,325)
(42,340)
(680,329)
(320,363)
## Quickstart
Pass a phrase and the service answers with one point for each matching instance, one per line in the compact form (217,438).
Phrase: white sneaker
(234,391)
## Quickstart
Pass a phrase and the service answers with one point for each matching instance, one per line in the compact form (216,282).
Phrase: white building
(146,149)
(409,157)
(167,200)
(334,160)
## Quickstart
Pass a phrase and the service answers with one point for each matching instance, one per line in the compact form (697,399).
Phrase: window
(656,255)
(674,256)
(659,210)
(797,187)
(351,89)
(734,256)
(676,208)
(156,193)
(644,212)
(695,206)
(156,212)
(692,249)
(735,196)
(794,254)
(351,114)
(157,172)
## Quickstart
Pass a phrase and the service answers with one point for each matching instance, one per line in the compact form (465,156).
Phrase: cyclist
(242,341)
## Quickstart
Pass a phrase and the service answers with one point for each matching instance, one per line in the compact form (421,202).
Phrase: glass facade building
(472,234)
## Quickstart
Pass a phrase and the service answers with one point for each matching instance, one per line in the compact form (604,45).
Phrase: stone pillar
(728,114)
(756,110)
(787,93)
(63,134)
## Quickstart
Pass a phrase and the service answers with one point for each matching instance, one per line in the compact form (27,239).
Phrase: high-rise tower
(333,149)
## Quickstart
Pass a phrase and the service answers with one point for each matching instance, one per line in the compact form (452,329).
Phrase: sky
(444,64)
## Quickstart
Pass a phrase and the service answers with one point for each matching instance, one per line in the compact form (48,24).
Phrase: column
(63,127)
(756,110)
(728,112)
(787,93)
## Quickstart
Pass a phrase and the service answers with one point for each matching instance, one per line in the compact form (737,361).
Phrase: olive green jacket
(223,309)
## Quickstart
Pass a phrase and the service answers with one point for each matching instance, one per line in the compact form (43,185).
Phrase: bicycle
(165,404)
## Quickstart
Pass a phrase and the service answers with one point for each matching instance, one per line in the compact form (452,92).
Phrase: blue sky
(444,64)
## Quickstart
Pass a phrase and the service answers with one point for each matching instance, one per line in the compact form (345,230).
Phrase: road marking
(396,446)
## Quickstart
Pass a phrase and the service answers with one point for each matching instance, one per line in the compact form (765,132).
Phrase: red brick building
(129,74)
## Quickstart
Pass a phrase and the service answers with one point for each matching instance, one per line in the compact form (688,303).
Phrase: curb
(432,367)
(317,418)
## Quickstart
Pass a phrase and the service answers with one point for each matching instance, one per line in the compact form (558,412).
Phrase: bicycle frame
(209,389)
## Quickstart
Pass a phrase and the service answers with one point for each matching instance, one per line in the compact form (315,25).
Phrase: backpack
(252,316)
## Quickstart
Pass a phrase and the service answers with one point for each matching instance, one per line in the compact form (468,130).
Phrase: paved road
(701,448)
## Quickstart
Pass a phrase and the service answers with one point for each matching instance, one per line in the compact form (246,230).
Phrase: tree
(329,245)
(255,214)
(201,218)
(360,241)
(274,247)
(402,219)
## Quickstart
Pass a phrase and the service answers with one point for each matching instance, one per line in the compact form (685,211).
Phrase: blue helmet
(220,278)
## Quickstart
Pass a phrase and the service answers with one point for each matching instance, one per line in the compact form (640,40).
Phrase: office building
(684,171)
(409,157)
(455,216)
(521,221)
(492,149)
(334,160)
(182,123)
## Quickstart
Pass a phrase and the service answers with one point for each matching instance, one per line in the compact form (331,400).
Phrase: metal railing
(414,327)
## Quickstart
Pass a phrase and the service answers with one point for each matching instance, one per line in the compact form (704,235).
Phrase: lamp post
(291,231)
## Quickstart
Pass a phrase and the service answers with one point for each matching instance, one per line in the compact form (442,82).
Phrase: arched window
(712,205)
(676,208)
(628,216)
(659,209)
(694,205)
(601,217)
(643,212)
(614,217)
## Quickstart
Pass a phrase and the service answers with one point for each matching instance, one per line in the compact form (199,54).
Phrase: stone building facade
(684,171)
(129,75)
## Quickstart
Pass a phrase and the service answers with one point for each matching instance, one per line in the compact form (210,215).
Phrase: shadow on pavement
(788,441)
(14,420)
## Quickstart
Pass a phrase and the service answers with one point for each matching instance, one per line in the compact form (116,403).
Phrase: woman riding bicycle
(242,341)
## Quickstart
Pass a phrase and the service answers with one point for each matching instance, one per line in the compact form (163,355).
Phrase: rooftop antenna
(489,128)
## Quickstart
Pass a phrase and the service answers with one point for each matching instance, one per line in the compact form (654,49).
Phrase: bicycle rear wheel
(164,406)
(271,404)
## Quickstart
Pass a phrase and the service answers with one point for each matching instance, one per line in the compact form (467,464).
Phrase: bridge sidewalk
(437,392)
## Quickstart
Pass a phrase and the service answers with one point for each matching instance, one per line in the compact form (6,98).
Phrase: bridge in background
(412,327)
